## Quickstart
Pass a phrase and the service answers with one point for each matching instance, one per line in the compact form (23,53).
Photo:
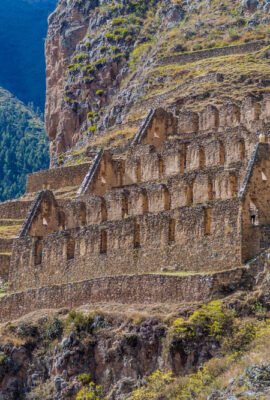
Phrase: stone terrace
(190,193)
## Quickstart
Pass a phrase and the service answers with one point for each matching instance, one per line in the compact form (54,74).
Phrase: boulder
(250,5)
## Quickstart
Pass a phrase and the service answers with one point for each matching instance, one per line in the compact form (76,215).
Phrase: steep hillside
(121,353)
(23,145)
(141,273)
(109,62)
(22,31)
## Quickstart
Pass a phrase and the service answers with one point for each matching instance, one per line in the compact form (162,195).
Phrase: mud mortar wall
(122,289)
(185,239)
(15,209)
(182,59)
(57,177)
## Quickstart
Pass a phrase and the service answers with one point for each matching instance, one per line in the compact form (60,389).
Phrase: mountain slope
(107,63)
(23,145)
(23,30)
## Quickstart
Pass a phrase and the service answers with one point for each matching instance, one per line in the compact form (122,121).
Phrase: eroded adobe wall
(48,217)
(162,125)
(108,175)
(186,239)
(129,289)
(57,178)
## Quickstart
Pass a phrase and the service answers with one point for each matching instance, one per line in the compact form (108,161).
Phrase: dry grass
(199,78)
(115,137)
(68,192)
(134,313)
(215,374)
(6,222)
(211,25)
(258,354)
(9,231)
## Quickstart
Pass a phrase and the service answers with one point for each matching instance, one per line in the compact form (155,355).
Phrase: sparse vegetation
(91,392)
(79,322)
(238,340)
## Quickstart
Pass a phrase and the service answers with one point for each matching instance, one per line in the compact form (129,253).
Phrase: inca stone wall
(164,203)
(57,178)
(145,244)
(130,289)
(189,194)
(182,59)
(15,209)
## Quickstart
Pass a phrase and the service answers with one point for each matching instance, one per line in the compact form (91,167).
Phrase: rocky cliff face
(106,66)
(88,47)
(53,356)
(216,351)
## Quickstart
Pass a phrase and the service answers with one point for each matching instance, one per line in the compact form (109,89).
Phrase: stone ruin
(189,194)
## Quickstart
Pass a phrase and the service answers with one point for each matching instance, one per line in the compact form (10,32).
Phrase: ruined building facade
(190,193)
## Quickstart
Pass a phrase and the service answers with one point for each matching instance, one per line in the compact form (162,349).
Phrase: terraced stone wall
(170,240)
(57,178)
(14,209)
(182,59)
(132,289)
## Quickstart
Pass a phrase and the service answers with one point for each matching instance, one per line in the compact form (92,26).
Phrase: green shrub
(53,329)
(259,310)
(156,386)
(3,358)
(91,115)
(100,62)
(84,378)
(118,56)
(137,54)
(89,68)
(80,57)
(243,334)
(212,320)
(91,392)
(79,322)
(92,128)
(99,92)
(118,21)
(26,330)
